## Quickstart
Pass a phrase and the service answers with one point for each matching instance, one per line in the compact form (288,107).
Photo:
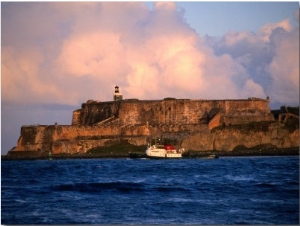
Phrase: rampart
(172,111)
(99,123)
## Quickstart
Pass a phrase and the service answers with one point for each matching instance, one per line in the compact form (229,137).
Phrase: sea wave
(119,191)
(99,187)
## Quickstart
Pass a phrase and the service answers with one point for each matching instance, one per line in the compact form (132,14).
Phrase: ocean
(228,190)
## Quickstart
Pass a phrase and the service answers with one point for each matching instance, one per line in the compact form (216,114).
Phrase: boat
(213,156)
(163,151)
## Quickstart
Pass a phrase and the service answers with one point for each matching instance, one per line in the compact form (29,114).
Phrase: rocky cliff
(259,135)
(194,124)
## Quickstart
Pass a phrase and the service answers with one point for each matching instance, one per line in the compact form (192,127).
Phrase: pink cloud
(84,49)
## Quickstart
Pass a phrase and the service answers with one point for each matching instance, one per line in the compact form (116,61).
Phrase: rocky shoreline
(251,152)
(34,155)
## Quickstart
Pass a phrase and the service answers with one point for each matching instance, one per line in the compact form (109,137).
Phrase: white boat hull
(153,152)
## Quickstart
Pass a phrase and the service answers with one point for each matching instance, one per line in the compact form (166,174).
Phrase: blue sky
(57,55)
(217,18)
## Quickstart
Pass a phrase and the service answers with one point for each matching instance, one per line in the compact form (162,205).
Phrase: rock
(195,124)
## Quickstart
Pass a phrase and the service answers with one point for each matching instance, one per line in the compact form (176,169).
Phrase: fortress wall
(233,120)
(216,121)
(167,111)
(163,112)
(75,146)
(31,137)
(40,137)
(227,140)
(175,118)
(129,112)
(246,111)
(135,115)
(73,132)
(236,107)
(72,139)
(187,111)
(76,117)
(94,112)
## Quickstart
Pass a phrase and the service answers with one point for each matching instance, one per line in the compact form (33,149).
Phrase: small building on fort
(117,95)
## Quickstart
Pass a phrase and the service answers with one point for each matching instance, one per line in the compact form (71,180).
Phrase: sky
(57,55)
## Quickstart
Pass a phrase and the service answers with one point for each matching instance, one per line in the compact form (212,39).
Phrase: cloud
(158,65)
(20,74)
(284,67)
(251,87)
(66,53)
(266,31)
(269,57)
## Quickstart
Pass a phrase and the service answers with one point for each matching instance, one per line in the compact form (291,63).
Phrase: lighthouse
(117,94)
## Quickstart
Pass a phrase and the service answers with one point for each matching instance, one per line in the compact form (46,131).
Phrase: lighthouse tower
(117,94)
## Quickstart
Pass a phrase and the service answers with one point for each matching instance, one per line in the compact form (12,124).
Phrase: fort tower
(117,94)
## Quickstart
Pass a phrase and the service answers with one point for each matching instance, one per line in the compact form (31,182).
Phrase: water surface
(230,190)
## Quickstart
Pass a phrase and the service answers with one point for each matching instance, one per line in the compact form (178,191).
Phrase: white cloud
(83,49)
(284,68)
(270,59)
(251,88)
(266,31)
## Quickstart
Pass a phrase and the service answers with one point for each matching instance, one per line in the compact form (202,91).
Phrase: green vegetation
(292,124)
(122,148)
(164,141)
(252,126)
(257,147)
(293,110)
(240,148)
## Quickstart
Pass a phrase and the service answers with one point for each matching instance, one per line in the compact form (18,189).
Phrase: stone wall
(215,121)
(76,118)
(228,139)
(79,139)
(74,139)
(172,111)
(187,121)
(93,112)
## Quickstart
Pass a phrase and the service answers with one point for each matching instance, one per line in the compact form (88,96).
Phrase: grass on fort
(122,148)
(290,125)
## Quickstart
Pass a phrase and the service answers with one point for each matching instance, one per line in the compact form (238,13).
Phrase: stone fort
(171,111)
(97,123)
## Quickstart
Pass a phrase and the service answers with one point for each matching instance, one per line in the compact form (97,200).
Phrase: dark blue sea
(228,190)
